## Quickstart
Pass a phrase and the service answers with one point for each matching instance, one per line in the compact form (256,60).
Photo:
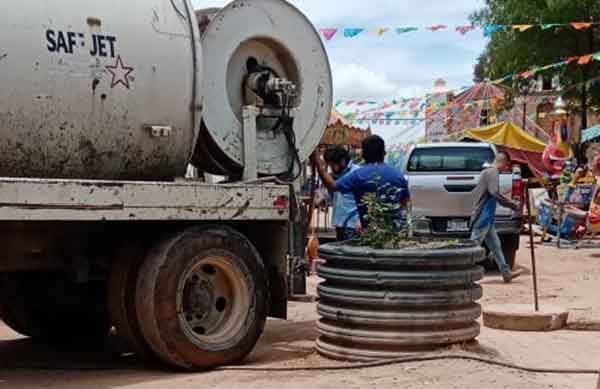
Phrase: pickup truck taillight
(517,185)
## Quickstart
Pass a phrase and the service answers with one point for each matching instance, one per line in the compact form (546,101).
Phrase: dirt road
(567,277)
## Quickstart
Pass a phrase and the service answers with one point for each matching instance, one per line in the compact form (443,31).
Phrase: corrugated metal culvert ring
(395,337)
(368,316)
(379,304)
(404,278)
(462,253)
(402,299)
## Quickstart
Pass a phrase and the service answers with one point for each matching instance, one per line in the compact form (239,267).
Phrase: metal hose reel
(264,55)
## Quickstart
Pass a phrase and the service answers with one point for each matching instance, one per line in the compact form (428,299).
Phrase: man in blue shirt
(375,176)
(345,213)
(483,220)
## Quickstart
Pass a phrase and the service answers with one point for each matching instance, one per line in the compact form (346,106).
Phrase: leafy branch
(381,232)
(384,233)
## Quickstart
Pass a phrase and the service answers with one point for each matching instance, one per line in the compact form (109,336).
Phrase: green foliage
(381,233)
(511,51)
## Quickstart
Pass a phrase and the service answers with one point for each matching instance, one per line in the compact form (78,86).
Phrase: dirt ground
(570,278)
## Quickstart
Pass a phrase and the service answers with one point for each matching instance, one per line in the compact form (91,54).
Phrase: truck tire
(202,298)
(50,308)
(121,300)
(11,311)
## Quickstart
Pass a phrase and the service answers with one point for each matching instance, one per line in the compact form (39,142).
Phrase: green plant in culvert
(381,232)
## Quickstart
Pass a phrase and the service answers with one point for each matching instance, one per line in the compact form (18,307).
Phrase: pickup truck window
(450,159)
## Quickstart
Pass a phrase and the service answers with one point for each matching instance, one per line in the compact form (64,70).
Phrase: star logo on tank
(120,73)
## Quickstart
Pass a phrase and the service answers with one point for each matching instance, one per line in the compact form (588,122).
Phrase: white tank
(116,89)
(98,89)
(273,35)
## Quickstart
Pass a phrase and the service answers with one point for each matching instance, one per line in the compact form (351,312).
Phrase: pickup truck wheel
(48,307)
(202,298)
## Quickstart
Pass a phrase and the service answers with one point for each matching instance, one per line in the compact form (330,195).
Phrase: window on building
(547,83)
(544,83)
(484,117)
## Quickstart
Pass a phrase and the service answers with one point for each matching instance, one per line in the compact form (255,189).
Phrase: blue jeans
(489,235)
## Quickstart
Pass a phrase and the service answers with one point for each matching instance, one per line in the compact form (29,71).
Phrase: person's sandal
(509,277)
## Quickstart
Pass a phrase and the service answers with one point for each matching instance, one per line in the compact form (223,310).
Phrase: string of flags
(579,60)
(398,112)
(397,122)
(409,112)
(455,107)
(389,116)
(410,109)
(406,107)
(329,33)
(412,103)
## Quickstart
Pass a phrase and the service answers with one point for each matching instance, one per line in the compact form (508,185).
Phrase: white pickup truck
(442,177)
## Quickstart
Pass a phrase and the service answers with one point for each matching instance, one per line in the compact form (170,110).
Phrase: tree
(510,51)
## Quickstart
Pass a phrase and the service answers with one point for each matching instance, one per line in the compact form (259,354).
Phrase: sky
(392,66)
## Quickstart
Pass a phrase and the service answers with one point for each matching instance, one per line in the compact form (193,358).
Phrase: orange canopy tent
(521,146)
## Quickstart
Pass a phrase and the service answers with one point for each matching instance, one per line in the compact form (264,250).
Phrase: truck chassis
(186,273)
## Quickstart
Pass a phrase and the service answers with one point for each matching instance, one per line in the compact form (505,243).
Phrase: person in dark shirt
(374,176)
(483,219)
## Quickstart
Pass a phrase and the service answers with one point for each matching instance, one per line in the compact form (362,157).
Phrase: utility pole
(524,91)
(584,94)
(525,112)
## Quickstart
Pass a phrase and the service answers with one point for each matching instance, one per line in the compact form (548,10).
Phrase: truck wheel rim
(212,301)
